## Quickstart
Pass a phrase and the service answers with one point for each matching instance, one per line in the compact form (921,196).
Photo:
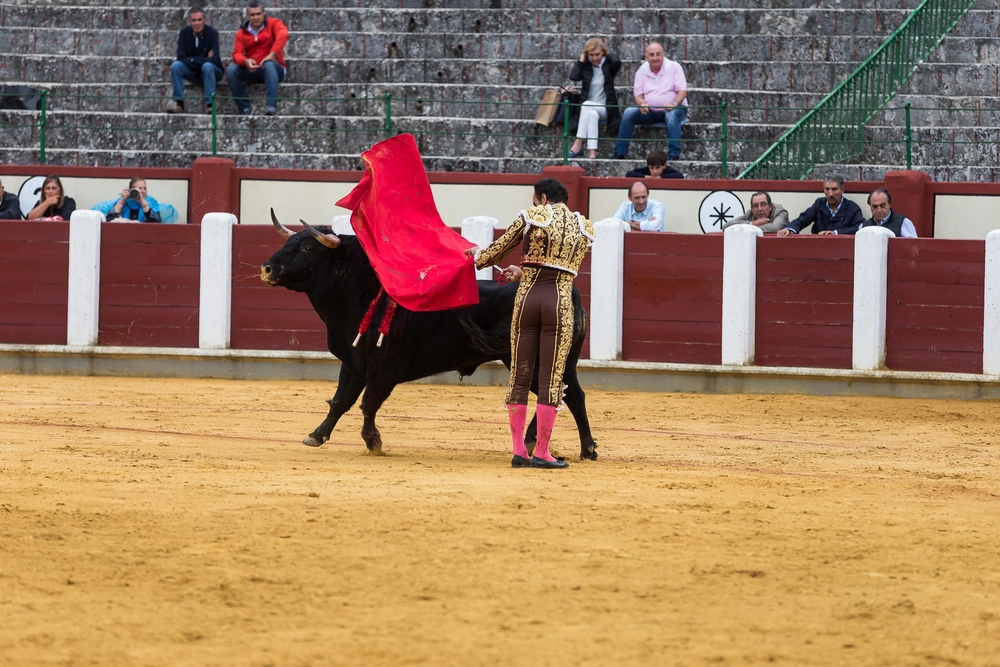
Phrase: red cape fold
(419,260)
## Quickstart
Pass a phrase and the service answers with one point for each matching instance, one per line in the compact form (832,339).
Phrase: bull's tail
(494,342)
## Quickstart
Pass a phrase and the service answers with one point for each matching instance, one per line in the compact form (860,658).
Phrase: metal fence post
(565,134)
(388,115)
(215,129)
(909,140)
(725,141)
(41,127)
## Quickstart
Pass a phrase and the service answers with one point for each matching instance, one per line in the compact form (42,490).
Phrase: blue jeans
(270,75)
(633,117)
(208,73)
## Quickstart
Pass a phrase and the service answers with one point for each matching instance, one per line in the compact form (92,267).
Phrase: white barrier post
(83,298)
(739,294)
(341,224)
(479,230)
(607,280)
(991,306)
(871,261)
(215,304)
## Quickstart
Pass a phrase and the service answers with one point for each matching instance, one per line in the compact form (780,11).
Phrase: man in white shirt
(640,212)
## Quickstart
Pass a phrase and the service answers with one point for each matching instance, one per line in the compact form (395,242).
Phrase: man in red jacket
(258,57)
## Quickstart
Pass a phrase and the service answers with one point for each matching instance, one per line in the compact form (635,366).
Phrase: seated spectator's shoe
(208,109)
(572,155)
(175,108)
(617,156)
(271,111)
(520,462)
(543,463)
(673,157)
(248,111)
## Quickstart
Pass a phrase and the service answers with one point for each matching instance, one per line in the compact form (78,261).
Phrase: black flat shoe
(520,462)
(542,463)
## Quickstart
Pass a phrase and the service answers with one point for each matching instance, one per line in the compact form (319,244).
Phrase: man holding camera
(258,57)
(197,59)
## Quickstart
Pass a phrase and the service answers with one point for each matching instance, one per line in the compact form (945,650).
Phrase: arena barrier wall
(932,309)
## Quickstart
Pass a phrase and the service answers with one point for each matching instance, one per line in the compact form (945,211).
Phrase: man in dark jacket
(831,213)
(879,202)
(656,167)
(10,205)
(197,59)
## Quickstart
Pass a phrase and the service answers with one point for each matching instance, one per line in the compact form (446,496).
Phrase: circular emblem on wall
(718,208)
(29,194)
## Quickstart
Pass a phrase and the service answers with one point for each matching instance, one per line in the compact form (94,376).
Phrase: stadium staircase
(466,76)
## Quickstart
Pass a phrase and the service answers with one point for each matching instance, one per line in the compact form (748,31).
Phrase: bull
(335,274)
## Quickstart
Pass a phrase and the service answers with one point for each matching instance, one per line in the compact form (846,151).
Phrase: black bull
(334,272)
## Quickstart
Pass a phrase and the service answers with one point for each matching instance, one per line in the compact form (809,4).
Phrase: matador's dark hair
(554,191)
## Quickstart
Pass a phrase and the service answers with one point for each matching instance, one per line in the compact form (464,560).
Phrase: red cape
(420,261)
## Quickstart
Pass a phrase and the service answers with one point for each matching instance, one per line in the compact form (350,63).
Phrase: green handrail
(833,131)
(388,115)
(215,128)
(41,128)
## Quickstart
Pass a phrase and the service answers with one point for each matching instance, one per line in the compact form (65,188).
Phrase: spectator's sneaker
(617,156)
(271,111)
(208,109)
(248,111)
(176,107)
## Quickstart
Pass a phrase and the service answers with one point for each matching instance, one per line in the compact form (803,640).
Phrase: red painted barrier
(149,285)
(672,308)
(268,318)
(934,305)
(805,301)
(34,274)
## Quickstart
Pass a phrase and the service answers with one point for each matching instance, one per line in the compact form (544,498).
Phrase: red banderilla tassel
(366,321)
(390,311)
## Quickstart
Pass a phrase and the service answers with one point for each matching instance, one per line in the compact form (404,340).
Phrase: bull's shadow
(334,272)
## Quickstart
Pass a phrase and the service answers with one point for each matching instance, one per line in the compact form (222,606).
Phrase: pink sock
(546,422)
(517,414)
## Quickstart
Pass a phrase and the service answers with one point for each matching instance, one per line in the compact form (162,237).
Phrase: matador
(555,240)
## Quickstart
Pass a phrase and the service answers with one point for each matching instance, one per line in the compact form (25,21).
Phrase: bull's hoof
(376,452)
(311,441)
(589,453)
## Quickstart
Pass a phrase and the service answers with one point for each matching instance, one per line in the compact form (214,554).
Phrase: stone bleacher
(466,77)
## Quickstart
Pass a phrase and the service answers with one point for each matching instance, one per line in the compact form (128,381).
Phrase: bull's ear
(329,240)
(284,231)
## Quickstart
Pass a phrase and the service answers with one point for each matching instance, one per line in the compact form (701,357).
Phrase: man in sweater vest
(879,202)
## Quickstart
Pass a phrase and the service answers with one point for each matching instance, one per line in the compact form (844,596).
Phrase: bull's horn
(329,240)
(284,231)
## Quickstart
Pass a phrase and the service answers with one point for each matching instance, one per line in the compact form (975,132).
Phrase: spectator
(656,167)
(135,204)
(660,91)
(831,213)
(640,212)
(879,202)
(53,204)
(10,205)
(258,57)
(197,58)
(597,69)
(763,213)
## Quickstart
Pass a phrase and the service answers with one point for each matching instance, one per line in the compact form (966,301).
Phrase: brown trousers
(542,329)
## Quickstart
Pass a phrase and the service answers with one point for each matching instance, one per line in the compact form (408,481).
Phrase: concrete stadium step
(644,21)
(77,69)
(510,4)
(549,46)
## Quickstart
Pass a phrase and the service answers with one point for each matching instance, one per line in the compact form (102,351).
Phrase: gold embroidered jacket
(556,238)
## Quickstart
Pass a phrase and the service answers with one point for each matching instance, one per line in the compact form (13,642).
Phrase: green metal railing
(833,131)
(448,130)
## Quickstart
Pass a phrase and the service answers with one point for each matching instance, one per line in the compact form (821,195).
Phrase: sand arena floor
(178,522)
